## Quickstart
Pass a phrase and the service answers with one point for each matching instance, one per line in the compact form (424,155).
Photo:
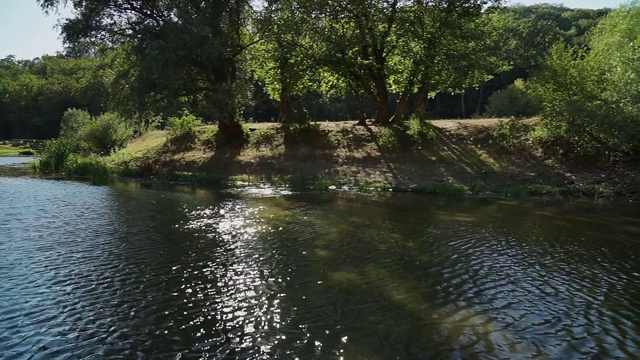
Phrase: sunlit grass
(10,150)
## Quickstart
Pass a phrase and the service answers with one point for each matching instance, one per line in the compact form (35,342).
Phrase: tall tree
(355,43)
(283,58)
(183,48)
(446,44)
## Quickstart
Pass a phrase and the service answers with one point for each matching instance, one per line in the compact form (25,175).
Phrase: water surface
(124,271)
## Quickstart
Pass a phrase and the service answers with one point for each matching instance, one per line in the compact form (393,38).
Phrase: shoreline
(448,157)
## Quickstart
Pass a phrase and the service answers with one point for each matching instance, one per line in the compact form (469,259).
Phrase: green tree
(184,48)
(283,59)
(447,47)
(593,99)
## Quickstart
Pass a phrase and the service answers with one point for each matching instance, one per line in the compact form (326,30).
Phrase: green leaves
(594,96)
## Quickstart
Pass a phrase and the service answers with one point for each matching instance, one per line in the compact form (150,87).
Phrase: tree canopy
(291,60)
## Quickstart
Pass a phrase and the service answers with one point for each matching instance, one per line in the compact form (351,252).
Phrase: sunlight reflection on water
(241,293)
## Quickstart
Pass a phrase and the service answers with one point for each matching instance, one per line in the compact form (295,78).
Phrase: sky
(26,32)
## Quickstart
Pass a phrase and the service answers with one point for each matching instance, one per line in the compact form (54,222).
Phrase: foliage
(387,139)
(593,99)
(87,166)
(54,156)
(264,137)
(105,133)
(179,50)
(210,137)
(420,130)
(183,130)
(149,59)
(448,189)
(34,94)
(73,121)
(99,135)
(514,101)
(303,134)
(510,133)
(530,190)
(334,140)
(282,61)
(27,152)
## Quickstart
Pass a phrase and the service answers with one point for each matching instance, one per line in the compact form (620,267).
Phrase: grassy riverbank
(7,150)
(443,157)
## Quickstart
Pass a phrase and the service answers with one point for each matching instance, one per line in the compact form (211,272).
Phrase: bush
(183,130)
(99,135)
(91,166)
(54,155)
(553,138)
(210,137)
(591,99)
(73,121)
(420,129)
(105,134)
(509,133)
(514,101)
(388,139)
(303,134)
(265,137)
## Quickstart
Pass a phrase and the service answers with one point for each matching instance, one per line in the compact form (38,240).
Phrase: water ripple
(127,272)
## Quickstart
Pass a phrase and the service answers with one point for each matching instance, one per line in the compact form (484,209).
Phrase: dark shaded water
(123,272)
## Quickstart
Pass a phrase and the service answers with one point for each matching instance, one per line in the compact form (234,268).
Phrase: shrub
(105,133)
(210,137)
(335,140)
(91,166)
(54,155)
(183,130)
(388,139)
(266,137)
(99,135)
(303,134)
(554,139)
(420,130)
(514,101)
(73,121)
(593,97)
(509,133)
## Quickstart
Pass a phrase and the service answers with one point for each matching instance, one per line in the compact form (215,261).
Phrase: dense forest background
(293,61)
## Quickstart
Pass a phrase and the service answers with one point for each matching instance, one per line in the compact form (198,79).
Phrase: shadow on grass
(308,156)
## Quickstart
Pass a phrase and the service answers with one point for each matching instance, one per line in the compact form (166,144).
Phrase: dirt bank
(457,152)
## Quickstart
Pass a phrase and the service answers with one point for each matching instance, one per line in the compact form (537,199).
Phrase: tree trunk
(382,102)
(464,113)
(361,116)
(480,95)
(231,130)
(401,108)
(229,127)
(382,115)
(422,101)
(284,107)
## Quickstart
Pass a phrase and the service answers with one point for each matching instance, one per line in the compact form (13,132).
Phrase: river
(127,271)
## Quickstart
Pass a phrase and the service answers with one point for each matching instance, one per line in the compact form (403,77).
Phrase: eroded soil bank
(458,156)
